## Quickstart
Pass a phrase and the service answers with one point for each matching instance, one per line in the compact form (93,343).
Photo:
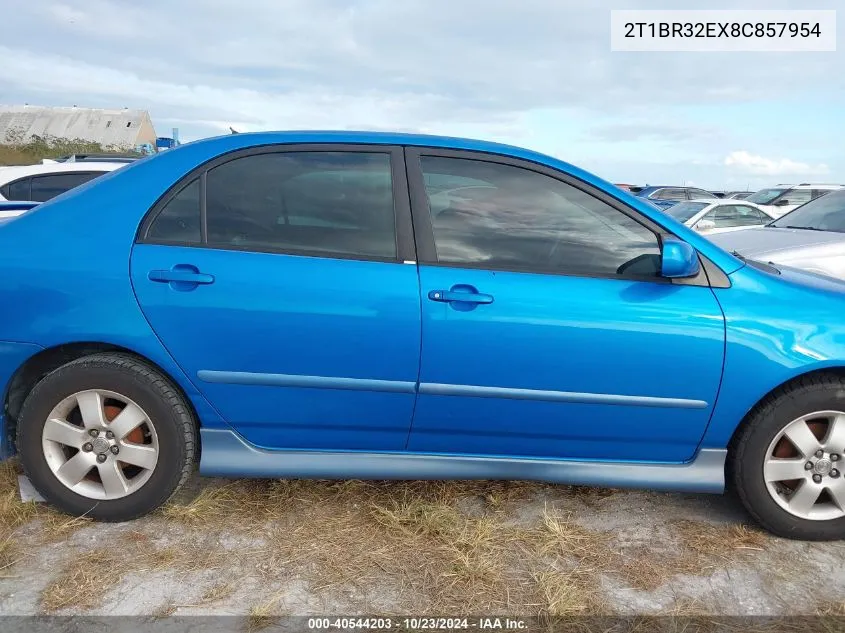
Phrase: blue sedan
(387,306)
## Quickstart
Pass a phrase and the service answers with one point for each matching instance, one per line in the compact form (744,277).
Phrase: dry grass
(13,511)
(9,555)
(264,614)
(84,582)
(165,610)
(700,549)
(217,592)
(569,594)
(833,608)
(432,546)
(85,579)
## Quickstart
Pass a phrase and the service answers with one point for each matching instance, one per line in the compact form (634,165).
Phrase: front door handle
(181,276)
(450,296)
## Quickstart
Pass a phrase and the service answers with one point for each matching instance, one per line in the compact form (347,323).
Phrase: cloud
(636,131)
(748,163)
(482,68)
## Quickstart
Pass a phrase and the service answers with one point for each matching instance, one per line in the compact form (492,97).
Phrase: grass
(430,547)
(83,583)
(13,151)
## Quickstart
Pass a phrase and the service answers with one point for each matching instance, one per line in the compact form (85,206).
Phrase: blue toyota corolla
(386,306)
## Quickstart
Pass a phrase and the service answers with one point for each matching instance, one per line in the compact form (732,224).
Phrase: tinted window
(794,197)
(670,193)
(684,211)
(504,217)
(179,220)
(694,194)
(46,187)
(19,190)
(818,193)
(310,202)
(826,213)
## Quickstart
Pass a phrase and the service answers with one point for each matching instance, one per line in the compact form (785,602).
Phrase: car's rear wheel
(788,460)
(106,436)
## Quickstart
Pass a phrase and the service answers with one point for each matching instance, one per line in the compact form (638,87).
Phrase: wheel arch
(836,370)
(49,359)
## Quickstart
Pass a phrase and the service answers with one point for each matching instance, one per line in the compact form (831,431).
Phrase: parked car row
(776,201)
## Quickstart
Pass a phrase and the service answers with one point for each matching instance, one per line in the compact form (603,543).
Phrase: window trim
(424,232)
(403,233)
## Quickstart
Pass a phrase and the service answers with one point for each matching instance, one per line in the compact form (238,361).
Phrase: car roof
(13,172)
(808,185)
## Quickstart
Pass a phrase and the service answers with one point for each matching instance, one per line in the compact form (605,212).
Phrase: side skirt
(226,454)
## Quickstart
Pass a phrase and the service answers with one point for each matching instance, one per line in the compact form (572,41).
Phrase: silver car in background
(811,237)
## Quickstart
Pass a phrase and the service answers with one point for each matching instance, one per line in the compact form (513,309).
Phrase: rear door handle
(181,274)
(448,296)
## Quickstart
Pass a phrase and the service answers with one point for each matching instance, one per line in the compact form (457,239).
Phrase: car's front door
(546,328)
(277,280)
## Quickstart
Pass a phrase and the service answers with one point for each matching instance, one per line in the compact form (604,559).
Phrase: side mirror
(782,202)
(678,259)
(704,225)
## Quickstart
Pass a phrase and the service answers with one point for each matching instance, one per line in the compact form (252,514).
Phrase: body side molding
(557,396)
(226,454)
(435,389)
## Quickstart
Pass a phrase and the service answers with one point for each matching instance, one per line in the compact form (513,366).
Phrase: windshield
(826,213)
(765,196)
(683,211)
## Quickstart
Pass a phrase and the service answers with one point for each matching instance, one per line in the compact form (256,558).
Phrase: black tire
(748,450)
(153,392)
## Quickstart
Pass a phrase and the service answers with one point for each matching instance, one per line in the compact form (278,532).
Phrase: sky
(534,73)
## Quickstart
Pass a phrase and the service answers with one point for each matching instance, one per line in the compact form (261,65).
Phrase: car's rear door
(282,280)
(546,329)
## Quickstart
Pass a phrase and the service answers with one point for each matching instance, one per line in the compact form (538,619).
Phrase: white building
(114,129)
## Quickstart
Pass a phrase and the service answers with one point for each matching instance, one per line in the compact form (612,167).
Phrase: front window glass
(509,218)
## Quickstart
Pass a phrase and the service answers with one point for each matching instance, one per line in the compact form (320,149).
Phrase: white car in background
(782,199)
(40,183)
(719,216)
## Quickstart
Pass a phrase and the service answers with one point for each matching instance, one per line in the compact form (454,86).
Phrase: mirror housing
(782,202)
(678,259)
(705,225)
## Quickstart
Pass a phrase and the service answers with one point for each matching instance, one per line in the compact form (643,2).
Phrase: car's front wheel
(788,460)
(106,436)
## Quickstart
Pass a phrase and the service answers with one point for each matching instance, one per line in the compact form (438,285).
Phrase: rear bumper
(12,356)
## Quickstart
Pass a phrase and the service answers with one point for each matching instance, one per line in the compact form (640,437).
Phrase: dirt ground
(259,548)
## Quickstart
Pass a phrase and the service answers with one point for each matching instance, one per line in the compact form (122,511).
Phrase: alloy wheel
(803,466)
(100,444)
